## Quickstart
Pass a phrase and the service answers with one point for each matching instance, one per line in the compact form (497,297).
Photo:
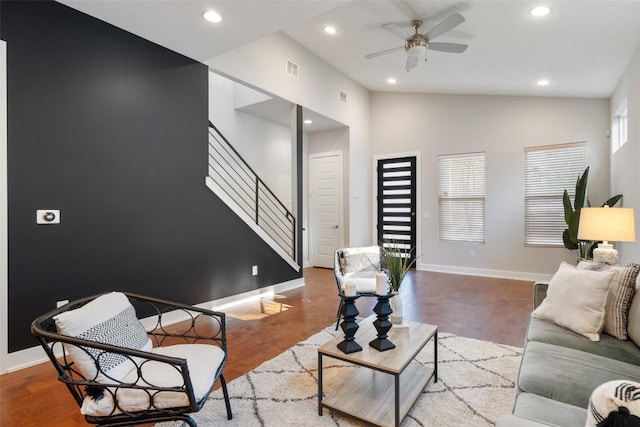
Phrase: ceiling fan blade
(396,31)
(446,25)
(448,47)
(412,62)
(383,52)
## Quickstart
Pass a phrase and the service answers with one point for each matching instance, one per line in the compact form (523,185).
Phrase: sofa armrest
(539,293)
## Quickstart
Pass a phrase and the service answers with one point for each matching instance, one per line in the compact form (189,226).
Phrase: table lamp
(606,224)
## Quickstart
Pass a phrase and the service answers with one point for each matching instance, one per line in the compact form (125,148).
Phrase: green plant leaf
(574,222)
(568,209)
(581,190)
(398,261)
(567,241)
(613,200)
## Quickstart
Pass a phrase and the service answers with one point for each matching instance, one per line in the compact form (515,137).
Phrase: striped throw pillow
(620,295)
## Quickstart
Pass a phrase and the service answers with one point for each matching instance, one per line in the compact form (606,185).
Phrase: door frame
(340,198)
(374,198)
(4,211)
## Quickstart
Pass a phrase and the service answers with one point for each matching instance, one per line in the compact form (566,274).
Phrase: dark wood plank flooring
(476,307)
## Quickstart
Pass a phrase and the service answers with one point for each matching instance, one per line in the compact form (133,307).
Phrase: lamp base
(605,253)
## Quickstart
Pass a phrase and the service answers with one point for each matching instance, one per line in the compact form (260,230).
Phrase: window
(549,170)
(619,127)
(461,197)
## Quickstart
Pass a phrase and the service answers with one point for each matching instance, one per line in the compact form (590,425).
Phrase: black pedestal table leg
(382,324)
(349,325)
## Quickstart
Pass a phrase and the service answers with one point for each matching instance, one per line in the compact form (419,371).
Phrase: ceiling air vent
(292,69)
(343,97)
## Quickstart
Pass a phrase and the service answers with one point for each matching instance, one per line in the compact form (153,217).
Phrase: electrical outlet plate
(254,270)
(48,216)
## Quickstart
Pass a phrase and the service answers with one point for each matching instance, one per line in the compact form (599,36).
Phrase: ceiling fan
(416,44)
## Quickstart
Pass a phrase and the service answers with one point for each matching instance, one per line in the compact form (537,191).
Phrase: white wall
(262,64)
(501,127)
(265,145)
(625,169)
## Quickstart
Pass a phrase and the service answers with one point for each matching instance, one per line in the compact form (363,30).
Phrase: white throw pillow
(108,319)
(576,300)
(361,259)
(608,400)
(620,295)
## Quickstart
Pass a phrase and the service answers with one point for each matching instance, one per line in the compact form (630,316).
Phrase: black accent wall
(112,130)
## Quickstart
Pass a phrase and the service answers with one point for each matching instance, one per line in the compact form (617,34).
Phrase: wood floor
(484,308)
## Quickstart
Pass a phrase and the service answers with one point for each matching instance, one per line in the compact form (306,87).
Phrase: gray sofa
(560,369)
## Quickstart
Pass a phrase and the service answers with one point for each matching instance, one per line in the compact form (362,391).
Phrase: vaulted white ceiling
(581,47)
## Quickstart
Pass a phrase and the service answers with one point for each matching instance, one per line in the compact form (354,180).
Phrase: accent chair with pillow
(584,333)
(121,373)
(358,266)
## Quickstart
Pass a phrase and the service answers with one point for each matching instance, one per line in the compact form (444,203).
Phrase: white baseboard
(35,355)
(499,274)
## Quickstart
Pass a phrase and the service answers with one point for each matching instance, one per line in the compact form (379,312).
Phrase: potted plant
(572,217)
(399,260)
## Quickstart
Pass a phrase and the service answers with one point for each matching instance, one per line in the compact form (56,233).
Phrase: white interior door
(325,208)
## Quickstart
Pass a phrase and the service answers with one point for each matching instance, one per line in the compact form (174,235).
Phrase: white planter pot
(396,305)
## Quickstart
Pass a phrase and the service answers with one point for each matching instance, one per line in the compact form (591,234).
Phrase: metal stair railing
(237,179)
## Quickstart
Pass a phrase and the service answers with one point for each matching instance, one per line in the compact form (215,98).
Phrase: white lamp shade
(608,224)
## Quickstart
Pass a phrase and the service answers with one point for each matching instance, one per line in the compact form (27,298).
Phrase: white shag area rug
(476,381)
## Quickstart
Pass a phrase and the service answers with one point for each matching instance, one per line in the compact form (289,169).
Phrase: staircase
(238,186)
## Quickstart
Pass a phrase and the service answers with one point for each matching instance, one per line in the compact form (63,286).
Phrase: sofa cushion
(633,328)
(509,420)
(620,295)
(203,361)
(568,375)
(548,412)
(608,346)
(365,281)
(576,299)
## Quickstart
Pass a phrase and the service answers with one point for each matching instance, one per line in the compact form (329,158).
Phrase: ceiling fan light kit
(416,45)
(415,49)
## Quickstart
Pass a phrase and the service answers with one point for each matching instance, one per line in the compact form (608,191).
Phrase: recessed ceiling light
(391,81)
(540,11)
(543,82)
(329,29)
(308,122)
(212,16)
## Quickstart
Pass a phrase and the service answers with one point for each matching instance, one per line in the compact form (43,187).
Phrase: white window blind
(549,170)
(461,191)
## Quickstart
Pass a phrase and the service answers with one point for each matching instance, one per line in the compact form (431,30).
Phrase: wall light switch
(47,216)
(254,270)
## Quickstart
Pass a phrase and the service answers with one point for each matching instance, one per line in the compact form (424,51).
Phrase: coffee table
(386,385)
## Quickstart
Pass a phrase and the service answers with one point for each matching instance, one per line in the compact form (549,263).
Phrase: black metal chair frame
(44,329)
(337,274)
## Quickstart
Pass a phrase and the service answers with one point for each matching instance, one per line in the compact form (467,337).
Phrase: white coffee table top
(409,341)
